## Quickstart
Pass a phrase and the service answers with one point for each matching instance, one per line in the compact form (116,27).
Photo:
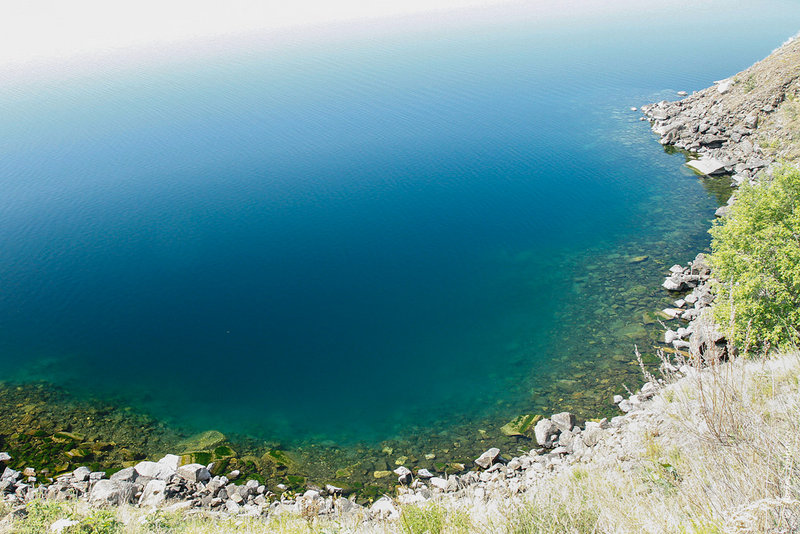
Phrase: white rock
(4,457)
(112,492)
(154,470)
(153,493)
(706,166)
(723,86)
(384,508)
(438,482)
(670,336)
(61,524)
(424,473)
(170,460)
(194,473)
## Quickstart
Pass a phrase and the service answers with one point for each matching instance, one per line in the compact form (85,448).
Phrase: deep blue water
(348,239)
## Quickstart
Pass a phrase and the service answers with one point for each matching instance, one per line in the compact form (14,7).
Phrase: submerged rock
(520,426)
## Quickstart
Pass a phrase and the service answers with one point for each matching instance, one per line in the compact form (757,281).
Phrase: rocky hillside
(739,124)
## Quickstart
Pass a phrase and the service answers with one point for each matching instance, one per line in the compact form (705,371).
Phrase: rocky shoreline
(722,128)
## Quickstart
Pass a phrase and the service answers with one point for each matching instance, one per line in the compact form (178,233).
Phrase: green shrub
(98,522)
(756,260)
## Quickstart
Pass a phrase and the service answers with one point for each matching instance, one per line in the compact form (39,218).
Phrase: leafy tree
(756,260)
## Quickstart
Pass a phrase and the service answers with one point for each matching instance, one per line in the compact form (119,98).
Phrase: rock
(81,474)
(4,457)
(682,93)
(112,492)
(672,313)
(671,284)
(751,121)
(618,399)
(233,475)
(424,473)
(404,475)
(438,482)
(706,166)
(381,474)
(153,493)
(488,458)
(62,524)
(520,425)
(638,259)
(170,460)
(9,473)
(670,336)
(194,473)
(545,432)
(232,507)
(384,508)
(202,442)
(723,87)
(125,475)
(154,470)
(331,490)
(564,420)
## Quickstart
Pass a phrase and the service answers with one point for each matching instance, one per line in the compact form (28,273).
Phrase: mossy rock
(638,259)
(205,441)
(67,436)
(277,458)
(344,473)
(203,458)
(520,425)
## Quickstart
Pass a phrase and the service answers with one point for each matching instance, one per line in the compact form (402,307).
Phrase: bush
(756,260)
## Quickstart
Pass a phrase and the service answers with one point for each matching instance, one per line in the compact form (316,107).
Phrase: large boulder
(153,493)
(546,433)
(564,421)
(194,473)
(112,492)
(488,458)
(520,425)
(161,471)
(706,166)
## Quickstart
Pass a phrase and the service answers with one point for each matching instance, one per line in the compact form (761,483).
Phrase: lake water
(371,234)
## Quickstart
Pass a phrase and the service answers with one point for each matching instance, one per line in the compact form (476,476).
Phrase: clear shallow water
(355,240)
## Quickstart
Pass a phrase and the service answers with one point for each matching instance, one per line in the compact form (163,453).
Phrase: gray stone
(707,166)
(10,474)
(384,508)
(112,492)
(424,473)
(195,473)
(231,507)
(170,460)
(545,432)
(438,482)
(160,471)
(488,458)
(564,420)
(4,457)
(670,336)
(128,474)
(154,493)
(81,474)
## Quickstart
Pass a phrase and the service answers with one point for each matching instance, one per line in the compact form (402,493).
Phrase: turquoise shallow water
(362,238)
